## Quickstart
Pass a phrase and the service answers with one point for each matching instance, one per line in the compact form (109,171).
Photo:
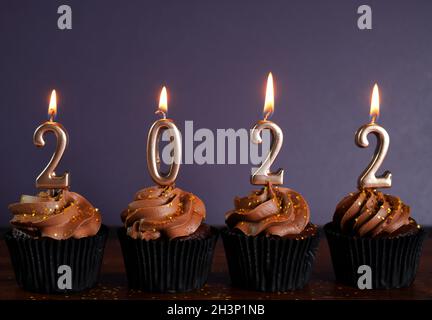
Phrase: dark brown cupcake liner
(393,261)
(269,263)
(36,262)
(163,265)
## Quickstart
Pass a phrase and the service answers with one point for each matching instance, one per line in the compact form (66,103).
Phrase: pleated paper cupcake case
(393,261)
(36,261)
(269,264)
(167,265)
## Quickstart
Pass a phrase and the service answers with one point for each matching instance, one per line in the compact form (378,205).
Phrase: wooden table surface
(112,285)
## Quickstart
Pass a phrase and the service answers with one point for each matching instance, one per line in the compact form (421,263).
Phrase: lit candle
(154,136)
(368,178)
(48,178)
(263,175)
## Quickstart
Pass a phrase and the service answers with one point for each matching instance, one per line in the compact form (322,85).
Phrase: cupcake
(166,246)
(374,229)
(54,234)
(270,244)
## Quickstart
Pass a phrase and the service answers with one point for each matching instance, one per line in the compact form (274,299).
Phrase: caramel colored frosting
(66,215)
(272,210)
(163,211)
(371,213)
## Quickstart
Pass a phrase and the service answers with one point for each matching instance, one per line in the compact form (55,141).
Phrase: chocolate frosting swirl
(66,215)
(167,211)
(371,213)
(271,211)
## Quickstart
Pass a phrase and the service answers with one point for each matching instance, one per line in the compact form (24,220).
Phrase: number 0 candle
(154,136)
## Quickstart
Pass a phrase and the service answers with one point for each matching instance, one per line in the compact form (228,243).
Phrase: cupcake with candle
(56,242)
(374,229)
(269,242)
(166,246)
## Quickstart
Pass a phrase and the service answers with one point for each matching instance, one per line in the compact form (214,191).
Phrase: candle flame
(375,103)
(163,101)
(52,108)
(269,98)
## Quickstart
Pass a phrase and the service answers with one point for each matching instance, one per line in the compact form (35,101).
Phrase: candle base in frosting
(163,211)
(63,216)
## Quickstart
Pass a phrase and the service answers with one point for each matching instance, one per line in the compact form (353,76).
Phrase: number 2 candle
(368,178)
(48,178)
(263,176)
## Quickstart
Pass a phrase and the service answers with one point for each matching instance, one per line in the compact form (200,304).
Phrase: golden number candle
(368,178)
(48,178)
(154,136)
(263,175)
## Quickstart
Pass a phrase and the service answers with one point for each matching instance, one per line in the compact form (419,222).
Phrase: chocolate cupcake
(56,242)
(270,244)
(166,246)
(374,229)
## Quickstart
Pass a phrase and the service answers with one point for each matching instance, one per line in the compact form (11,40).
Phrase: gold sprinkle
(359,203)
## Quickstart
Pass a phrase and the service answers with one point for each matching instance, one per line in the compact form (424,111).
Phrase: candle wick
(374,117)
(159,111)
(266,116)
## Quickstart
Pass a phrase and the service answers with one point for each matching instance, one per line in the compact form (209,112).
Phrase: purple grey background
(214,56)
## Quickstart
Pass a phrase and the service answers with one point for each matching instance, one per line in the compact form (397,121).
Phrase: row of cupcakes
(269,241)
